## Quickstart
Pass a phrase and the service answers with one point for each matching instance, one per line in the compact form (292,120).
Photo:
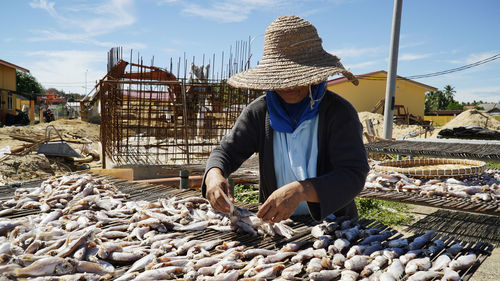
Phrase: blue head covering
(287,117)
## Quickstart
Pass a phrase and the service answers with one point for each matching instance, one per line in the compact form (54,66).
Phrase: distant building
(10,99)
(492,109)
(371,90)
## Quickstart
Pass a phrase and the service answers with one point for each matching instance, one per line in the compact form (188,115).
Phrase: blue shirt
(296,155)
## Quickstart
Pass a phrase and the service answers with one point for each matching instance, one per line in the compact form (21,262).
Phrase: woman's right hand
(217,188)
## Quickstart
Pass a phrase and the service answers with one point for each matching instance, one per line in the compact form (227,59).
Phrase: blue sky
(62,42)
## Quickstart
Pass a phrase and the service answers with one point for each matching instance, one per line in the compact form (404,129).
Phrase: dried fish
(356,263)
(324,275)
(338,246)
(450,275)
(463,262)
(396,269)
(291,271)
(100,268)
(160,273)
(454,249)
(348,275)
(440,263)
(415,265)
(142,263)
(424,275)
(45,267)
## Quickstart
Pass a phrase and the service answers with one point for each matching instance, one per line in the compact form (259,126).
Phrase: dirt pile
(27,164)
(25,168)
(471,118)
(398,131)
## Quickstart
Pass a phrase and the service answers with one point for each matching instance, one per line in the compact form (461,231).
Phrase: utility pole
(392,72)
(86,71)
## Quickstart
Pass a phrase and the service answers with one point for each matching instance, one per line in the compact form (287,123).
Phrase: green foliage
(493,165)
(26,83)
(454,105)
(441,99)
(245,193)
(388,213)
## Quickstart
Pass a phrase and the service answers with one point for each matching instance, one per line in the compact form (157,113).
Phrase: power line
(434,74)
(477,63)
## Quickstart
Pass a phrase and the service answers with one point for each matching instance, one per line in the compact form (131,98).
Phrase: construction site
(148,133)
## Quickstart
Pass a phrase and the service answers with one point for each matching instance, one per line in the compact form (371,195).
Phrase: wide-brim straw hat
(293,56)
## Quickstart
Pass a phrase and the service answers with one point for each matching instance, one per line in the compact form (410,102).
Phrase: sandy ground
(489,270)
(28,165)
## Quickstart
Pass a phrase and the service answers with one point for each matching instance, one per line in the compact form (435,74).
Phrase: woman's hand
(217,186)
(283,201)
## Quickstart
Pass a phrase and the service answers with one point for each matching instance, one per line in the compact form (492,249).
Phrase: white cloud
(44,5)
(472,58)
(108,17)
(410,57)
(167,2)
(66,69)
(226,12)
(235,10)
(411,44)
(358,52)
(361,65)
(487,94)
(87,22)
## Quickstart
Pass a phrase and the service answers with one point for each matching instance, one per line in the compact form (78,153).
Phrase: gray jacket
(342,159)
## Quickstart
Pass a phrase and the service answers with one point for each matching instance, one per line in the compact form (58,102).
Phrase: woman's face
(293,95)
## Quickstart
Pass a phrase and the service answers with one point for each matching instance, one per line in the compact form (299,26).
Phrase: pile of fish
(351,252)
(483,188)
(87,230)
(87,226)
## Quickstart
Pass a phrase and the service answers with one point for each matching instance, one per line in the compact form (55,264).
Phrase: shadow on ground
(462,226)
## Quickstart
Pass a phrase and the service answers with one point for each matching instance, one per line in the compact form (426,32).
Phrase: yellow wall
(7,82)
(364,96)
(7,78)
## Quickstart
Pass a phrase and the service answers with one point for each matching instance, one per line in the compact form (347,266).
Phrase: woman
(311,154)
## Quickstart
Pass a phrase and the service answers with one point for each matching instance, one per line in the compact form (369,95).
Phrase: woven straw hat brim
(293,56)
(287,74)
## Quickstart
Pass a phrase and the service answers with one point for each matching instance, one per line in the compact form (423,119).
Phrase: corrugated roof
(367,76)
(11,65)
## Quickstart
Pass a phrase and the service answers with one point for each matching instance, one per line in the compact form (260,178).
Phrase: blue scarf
(287,117)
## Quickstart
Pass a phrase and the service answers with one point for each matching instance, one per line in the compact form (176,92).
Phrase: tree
(440,100)
(26,83)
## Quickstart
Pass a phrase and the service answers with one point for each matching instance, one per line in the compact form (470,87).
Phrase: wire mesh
(147,120)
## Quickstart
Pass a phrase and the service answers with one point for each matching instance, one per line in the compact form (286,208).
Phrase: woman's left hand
(283,201)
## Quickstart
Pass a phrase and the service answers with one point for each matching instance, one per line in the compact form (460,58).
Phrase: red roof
(11,65)
(367,77)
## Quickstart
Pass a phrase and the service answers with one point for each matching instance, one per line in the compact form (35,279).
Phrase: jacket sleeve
(237,146)
(347,164)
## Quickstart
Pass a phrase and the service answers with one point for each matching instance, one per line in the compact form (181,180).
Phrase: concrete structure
(371,90)
(10,100)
